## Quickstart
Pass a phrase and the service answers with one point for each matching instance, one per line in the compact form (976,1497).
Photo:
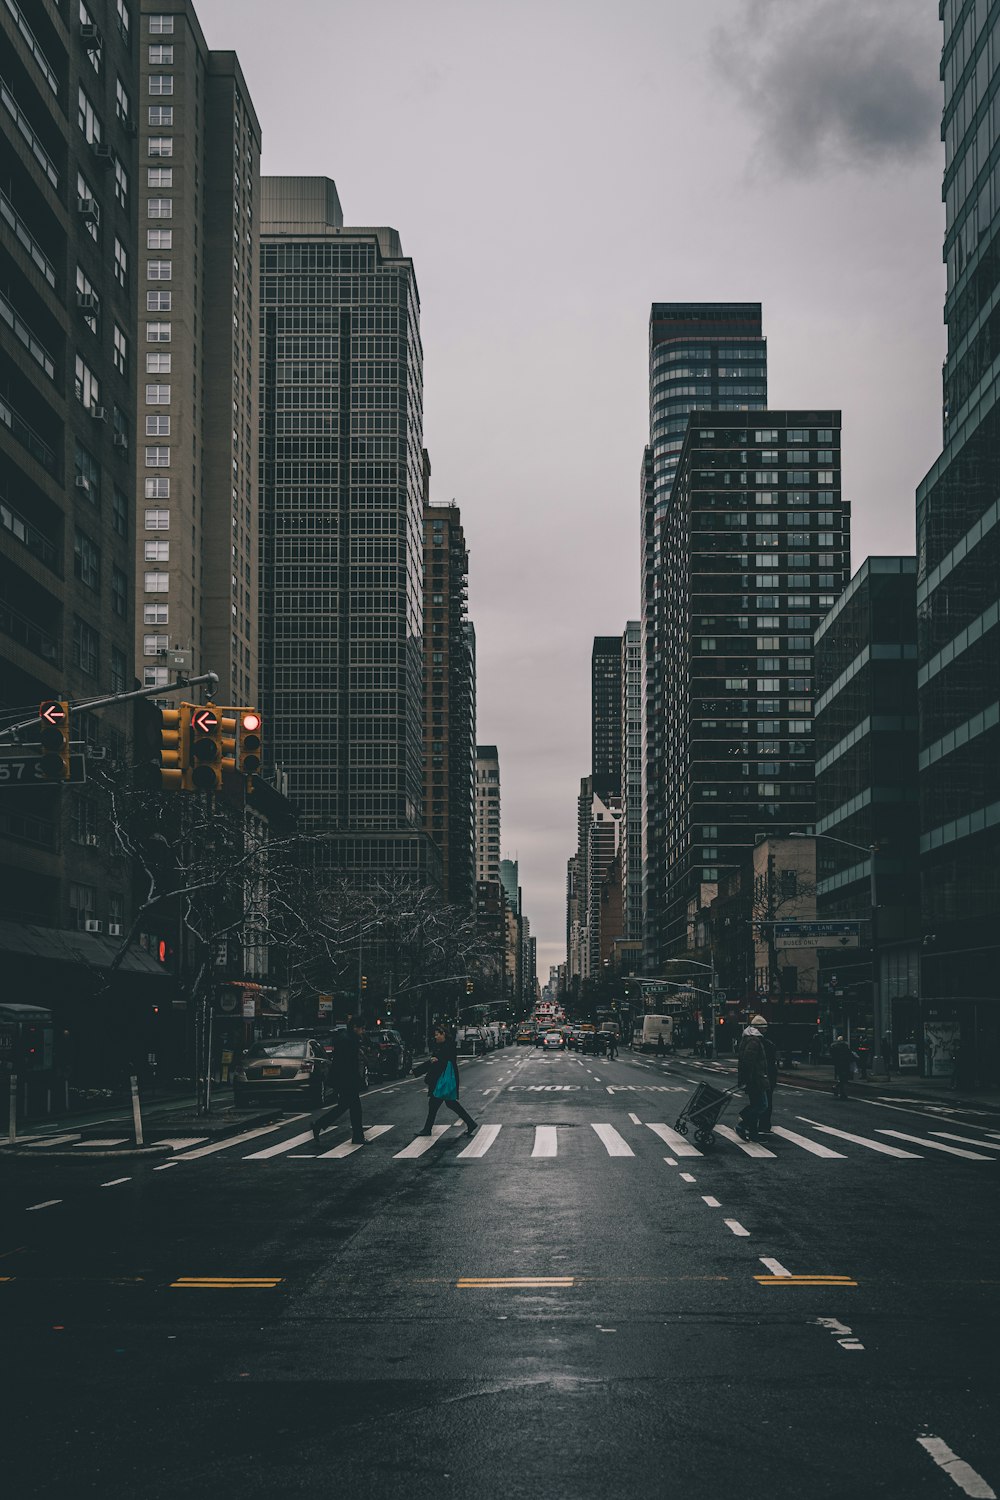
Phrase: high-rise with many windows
(342,515)
(68,262)
(631,780)
(958,572)
(702,355)
(757,548)
(487,813)
(196,368)
(606,713)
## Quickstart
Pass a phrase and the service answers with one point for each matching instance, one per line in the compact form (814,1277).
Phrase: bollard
(12,1117)
(136,1114)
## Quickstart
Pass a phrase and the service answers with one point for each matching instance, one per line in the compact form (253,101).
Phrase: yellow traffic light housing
(54,739)
(251,744)
(205,748)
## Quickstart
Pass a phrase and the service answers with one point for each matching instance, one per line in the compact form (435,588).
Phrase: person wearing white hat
(751,1064)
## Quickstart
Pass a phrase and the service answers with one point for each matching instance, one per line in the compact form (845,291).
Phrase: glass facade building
(606,713)
(341,536)
(757,550)
(958,572)
(702,356)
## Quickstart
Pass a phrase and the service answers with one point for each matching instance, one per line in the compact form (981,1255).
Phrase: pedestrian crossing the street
(627,1139)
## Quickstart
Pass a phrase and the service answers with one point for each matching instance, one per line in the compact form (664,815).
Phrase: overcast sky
(553,167)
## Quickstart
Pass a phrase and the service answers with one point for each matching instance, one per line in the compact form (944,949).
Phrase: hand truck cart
(702,1112)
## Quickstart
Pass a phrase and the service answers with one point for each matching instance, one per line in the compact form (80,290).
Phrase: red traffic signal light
(251,743)
(54,739)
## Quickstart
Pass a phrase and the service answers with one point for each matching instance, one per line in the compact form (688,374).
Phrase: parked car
(281,1066)
(387,1055)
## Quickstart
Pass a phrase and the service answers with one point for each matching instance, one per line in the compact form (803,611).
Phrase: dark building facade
(68,264)
(757,548)
(702,355)
(341,539)
(631,780)
(450,703)
(865,728)
(606,713)
(958,577)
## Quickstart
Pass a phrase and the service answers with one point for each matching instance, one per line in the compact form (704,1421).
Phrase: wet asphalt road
(647,1337)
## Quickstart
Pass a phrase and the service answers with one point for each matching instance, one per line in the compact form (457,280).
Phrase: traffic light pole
(209,679)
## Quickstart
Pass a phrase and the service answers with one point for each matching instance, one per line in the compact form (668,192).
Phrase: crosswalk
(817,1141)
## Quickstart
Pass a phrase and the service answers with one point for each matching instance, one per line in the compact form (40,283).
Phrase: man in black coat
(771,1062)
(751,1075)
(842,1057)
(347,1076)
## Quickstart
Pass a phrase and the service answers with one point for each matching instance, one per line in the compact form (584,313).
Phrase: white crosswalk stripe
(480,1143)
(750,1148)
(348,1148)
(421,1144)
(546,1141)
(813,1147)
(967,1140)
(861,1140)
(901,1135)
(280,1147)
(237,1140)
(613,1143)
(673,1138)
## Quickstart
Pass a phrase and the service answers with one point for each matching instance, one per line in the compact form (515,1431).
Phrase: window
(88,119)
(85,287)
(86,647)
(158,426)
(161,54)
(158,333)
(120,351)
(161,25)
(124,20)
(161,145)
(89,470)
(159,270)
(156,583)
(87,561)
(157,488)
(155,614)
(123,104)
(159,239)
(159,177)
(155,676)
(160,85)
(161,114)
(160,208)
(825,476)
(159,301)
(121,264)
(158,364)
(157,458)
(157,520)
(119,673)
(88,206)
(156,551)
(119,512)
(119,591)
(152,645)
(121,182)
(86,384)
(158,395)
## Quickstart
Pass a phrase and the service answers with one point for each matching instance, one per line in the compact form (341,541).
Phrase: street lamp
(870,850)
(696,963)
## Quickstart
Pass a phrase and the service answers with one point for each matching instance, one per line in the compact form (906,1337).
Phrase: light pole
(696,963)
(870,850)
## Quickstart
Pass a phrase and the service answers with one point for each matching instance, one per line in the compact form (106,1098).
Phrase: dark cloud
(836,82)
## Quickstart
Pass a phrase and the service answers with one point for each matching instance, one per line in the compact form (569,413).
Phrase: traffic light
(227,743)
(161,736)
(206,748)
(364,981)
(469,986)
(54,740)
(251,744)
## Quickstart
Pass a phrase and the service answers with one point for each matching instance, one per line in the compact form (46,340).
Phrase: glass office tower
(958,577)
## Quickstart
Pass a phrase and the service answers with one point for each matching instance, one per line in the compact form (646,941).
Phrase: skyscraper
(606,713)
(702,355)
(487,813)
(196,367)
(757,548)
(342,527)
(631,779)
(958,572)
(68,263)
(450,702)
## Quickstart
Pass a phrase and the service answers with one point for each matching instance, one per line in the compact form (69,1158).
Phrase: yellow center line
(513,1281)
(804,1281)
(223,1282)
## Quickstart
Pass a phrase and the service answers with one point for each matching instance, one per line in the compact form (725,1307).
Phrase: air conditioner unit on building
(89,209)
(88,302)
(114,929)
(99,413)
(120,440)
(102,153)
(92,924)
(91,840)
(91,33)
(83,483)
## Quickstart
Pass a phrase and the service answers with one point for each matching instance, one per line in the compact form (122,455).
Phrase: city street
(576,1302)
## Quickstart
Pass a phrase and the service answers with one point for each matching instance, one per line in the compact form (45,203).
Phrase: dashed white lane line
(635,1119)
(671,1162)
(546,1141)
(956,1468)
(813,1147)
(774,1266)
(115,1181)
(712,1202)
(49,1203)
(686,1177)
(736,1227)
(860,1140)
(118,1140)
(918,1140)
(613,1143)
(165,1166)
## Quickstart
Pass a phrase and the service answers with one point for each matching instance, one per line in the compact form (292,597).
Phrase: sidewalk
(903,1087)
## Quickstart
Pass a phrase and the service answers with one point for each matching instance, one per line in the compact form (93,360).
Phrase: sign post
(12,1117)
(136,1112)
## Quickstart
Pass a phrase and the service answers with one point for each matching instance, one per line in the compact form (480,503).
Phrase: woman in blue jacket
(445,1057)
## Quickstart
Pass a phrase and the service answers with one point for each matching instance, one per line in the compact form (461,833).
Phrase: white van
(654,1027)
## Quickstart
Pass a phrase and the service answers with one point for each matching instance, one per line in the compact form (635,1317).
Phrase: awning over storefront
(90,950)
